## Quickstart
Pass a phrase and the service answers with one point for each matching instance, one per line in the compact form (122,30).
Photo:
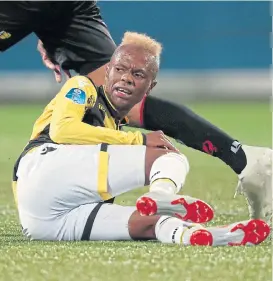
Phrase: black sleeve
(182,124)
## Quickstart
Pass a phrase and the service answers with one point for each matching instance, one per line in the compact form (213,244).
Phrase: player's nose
(127,78)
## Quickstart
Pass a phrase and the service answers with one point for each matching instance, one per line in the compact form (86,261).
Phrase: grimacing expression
(130,76)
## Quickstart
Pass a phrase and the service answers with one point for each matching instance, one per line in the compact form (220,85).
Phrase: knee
(152,154)
(175,161)
(156,159)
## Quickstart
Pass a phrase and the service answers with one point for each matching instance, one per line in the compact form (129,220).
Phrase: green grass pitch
(209,179)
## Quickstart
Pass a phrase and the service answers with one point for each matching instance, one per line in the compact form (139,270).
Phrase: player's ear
(151,87)
(107,69)
(153,84)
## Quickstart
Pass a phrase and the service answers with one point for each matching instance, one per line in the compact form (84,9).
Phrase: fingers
(158,139)
(57,73)
(40,47)
(49,64)
(67,74)
(168,144)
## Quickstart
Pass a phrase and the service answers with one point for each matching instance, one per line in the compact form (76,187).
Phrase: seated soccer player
(74,36)
(78,159)
(252,164)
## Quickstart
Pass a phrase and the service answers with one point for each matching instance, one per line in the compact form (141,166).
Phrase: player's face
(131,75)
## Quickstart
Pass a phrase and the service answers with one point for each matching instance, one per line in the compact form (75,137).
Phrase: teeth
(123,91)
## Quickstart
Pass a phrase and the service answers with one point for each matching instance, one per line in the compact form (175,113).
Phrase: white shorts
(58,186)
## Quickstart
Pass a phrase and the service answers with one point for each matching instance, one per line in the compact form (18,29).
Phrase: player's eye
(139,75)
(119,69)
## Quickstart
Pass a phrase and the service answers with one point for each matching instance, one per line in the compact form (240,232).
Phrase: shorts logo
(78,96)
(4,35)
(47,149)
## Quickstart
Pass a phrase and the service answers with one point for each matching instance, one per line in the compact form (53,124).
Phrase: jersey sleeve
(66,124)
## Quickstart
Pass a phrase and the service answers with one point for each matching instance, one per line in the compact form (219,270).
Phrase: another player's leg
(16,22)
(252,164)
(98,75)
(86,44)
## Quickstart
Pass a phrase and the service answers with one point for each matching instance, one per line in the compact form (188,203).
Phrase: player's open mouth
(122,92)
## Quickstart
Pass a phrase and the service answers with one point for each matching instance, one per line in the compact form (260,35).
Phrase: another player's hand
(158,139)
(49,64)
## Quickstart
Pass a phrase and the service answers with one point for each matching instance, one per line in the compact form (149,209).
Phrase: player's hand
(159,140)
(49,64)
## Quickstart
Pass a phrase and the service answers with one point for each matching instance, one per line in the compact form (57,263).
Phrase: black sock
(184,125)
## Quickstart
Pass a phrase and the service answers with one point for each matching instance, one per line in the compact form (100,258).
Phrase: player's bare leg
(98,75)
(172,230)
(135,116)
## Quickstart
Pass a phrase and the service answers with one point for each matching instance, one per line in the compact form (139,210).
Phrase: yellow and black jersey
(80,114)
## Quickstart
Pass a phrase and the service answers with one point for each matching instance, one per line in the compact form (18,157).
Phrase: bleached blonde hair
(145,41)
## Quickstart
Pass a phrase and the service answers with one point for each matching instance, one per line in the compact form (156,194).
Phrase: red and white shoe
(184,207)
(245,233)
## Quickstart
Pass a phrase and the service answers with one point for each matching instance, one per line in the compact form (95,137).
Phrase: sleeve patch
(78,96)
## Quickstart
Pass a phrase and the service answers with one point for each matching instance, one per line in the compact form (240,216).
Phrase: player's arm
(66,126)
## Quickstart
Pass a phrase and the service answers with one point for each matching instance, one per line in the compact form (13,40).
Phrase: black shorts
(73,32)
